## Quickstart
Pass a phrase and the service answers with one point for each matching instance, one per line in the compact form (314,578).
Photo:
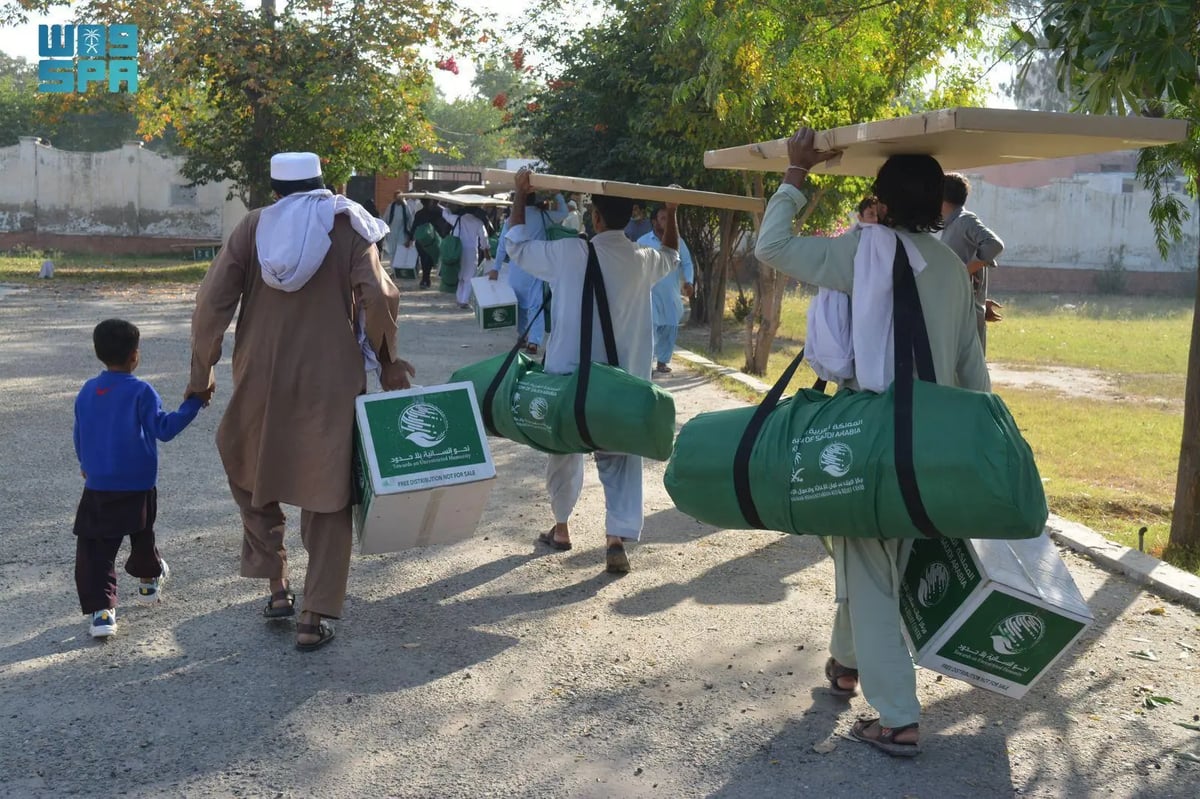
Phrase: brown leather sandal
(283,595)
(886,740)
(323,629)
(835,672)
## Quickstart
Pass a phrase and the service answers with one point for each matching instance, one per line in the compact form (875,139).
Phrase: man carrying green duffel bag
(867,646)
(629,272)
(429,225)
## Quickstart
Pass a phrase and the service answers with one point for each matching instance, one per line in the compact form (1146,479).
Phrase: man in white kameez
(399,217)
(529,289)
(629,274)
(473,235)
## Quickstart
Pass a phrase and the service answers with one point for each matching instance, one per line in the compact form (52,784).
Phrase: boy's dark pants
(426,263)
(104,518)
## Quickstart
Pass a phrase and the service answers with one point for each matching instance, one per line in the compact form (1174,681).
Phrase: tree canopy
(341,78)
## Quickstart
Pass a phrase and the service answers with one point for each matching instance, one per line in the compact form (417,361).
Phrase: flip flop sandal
(323,629)
(549,540)
(616,561)
(272,612)
(834,672)
(886,742)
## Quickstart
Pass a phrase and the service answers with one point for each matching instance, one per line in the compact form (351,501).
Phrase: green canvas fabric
(826,466)
(427,238)
(624,414)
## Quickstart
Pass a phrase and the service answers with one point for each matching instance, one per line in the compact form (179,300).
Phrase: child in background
(118,421)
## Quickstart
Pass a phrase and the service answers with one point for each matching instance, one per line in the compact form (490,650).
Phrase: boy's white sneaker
(104,623)
(151,592)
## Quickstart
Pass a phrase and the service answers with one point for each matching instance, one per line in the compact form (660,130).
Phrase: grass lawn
(1107,464)
(85,269)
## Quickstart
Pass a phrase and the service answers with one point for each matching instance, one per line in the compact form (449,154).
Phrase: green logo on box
(424,433)
(499,316)
(939,578)
(1010,638)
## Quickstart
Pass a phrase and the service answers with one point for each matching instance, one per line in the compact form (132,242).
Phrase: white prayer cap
(295,166)
(571,204)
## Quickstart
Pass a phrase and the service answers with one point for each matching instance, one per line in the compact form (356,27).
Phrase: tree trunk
(1185,520)
(258,174)
(769,286)
(726,224)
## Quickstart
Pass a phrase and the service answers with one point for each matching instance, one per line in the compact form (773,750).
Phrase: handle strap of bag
(585,361)
(912,343)
(595,296)
(912,348)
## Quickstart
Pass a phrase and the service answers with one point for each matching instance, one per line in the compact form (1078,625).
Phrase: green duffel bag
(427,238)
(920,459)
(599,407)
(450,253)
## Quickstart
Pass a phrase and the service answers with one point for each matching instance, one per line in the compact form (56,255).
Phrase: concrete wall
(126,200)
(1085,222)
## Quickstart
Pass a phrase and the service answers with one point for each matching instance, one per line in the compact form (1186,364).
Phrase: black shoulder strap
(912,342)
(391,212)
(489,396)
(594,297)
(741,458)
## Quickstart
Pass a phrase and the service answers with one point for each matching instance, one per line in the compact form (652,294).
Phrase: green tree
(470,130)
(341,78)
(18,82)
(657,83)
(1143,58)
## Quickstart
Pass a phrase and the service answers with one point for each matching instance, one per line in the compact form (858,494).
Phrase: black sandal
(323,629)
(284,594)
(549,540)
(834,672)
(886,742)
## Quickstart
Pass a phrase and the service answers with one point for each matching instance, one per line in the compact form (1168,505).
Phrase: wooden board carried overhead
(962,138)
(497,179)
(473,200)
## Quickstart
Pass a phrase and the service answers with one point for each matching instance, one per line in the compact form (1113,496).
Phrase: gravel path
(491,668)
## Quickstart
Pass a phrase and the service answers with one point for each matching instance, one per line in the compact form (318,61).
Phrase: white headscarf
(293,235)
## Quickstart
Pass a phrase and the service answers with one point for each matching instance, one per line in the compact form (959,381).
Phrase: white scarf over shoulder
(851,337)
(293,235)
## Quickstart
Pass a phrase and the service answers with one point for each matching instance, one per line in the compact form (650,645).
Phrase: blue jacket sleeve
(163,425)
(75,433)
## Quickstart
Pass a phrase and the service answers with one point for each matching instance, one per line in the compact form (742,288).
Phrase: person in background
(867,212)
(974,244)
(118,421)
(475,249)
(530,291)
(399,221)
(629,272)
(867,646)
(573,220)
(429,214)
(665,302)
(639,224)
(305,281)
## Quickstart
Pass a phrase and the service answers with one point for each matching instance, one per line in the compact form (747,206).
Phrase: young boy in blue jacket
(118,421)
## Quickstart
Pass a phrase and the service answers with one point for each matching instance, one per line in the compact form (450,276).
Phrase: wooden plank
(962,138)
(502,178)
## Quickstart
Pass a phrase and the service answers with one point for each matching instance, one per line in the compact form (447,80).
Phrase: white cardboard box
(423,467)
(404,263)
(995,614)
(495,303)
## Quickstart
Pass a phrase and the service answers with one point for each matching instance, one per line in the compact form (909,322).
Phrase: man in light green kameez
(867,645)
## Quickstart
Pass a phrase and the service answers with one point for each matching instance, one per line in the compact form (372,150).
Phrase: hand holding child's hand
(204,396)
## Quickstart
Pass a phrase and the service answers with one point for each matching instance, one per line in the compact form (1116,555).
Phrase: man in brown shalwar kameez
(314,300)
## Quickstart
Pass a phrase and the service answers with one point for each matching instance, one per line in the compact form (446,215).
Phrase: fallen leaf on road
(1188,647)
(1188,756)
(409,646)
(1158,701)
(1144,654)
(1189,726)
(1157,611)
